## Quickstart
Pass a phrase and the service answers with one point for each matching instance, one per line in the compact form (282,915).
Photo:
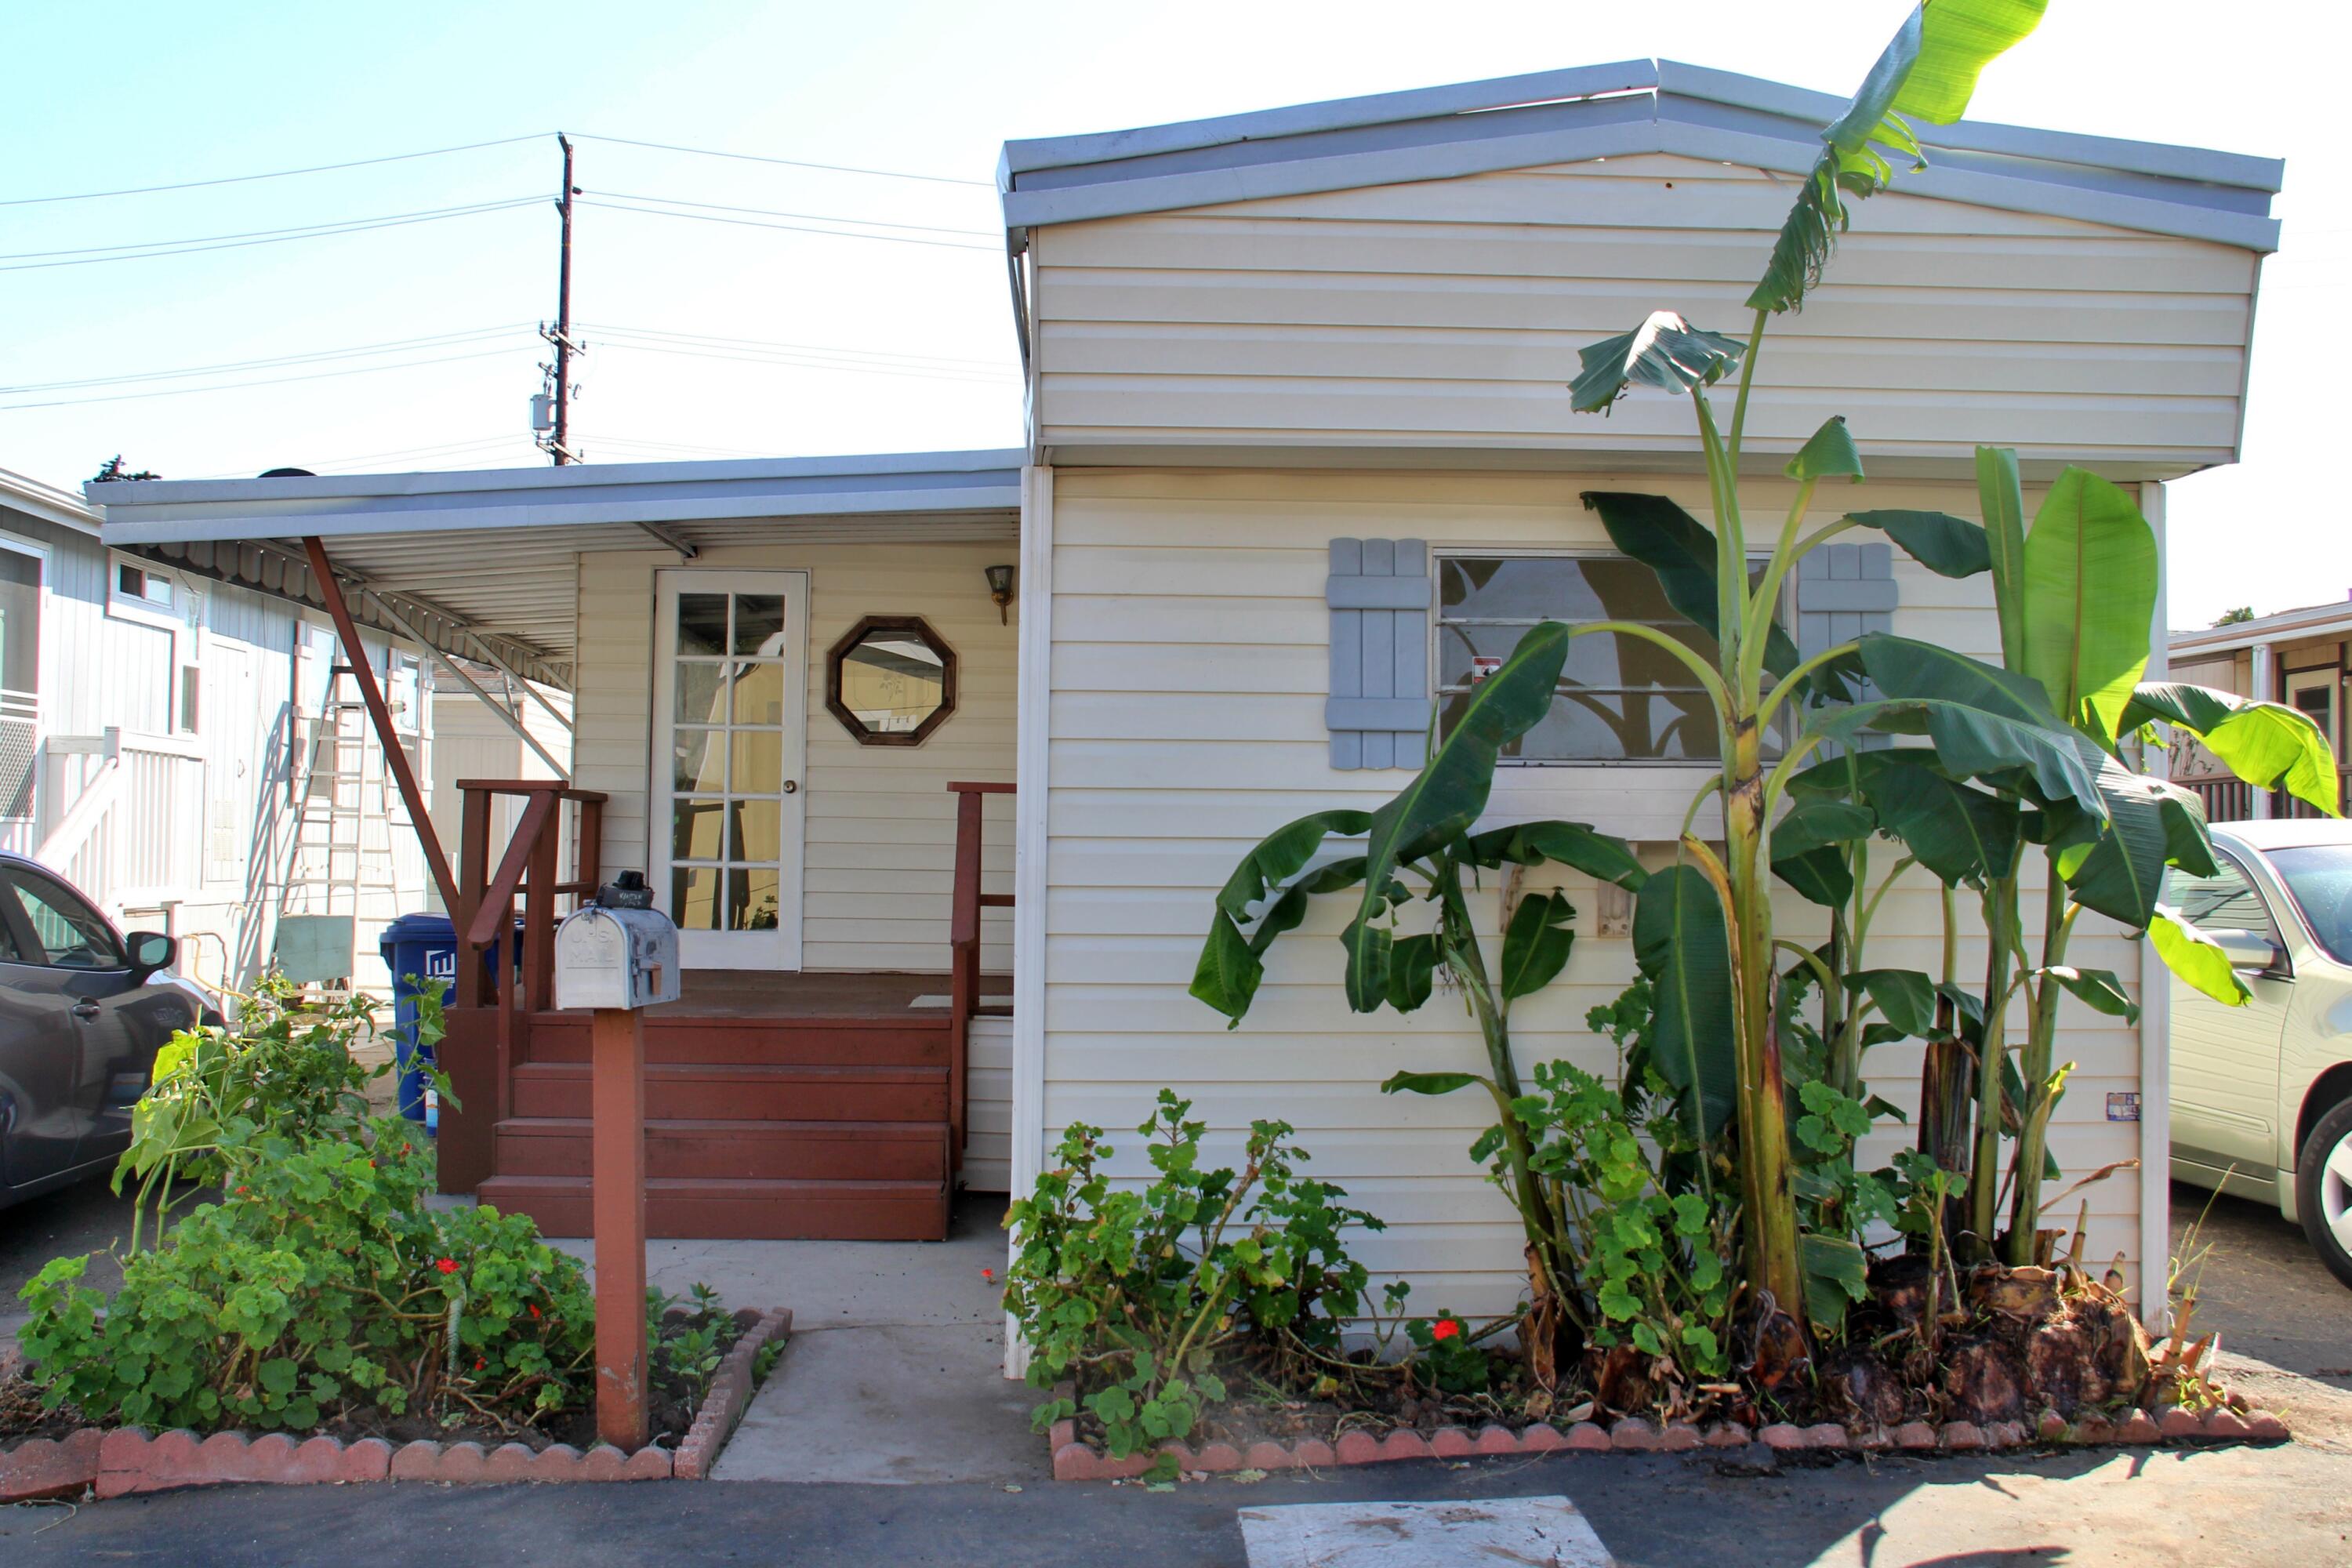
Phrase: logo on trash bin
(441,963)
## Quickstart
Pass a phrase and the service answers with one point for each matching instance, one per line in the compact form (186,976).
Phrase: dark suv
(82,1013)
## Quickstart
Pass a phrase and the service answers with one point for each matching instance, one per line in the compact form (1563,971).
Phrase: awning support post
(347,632)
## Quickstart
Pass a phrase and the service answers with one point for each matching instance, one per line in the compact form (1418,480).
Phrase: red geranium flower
(245,1191)
(1444,1328)
(447,1265)
(478,1364)
(534,1309)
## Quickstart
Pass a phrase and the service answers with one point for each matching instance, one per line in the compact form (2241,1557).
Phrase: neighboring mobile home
(2302,657)
(1300,453)
(167,743)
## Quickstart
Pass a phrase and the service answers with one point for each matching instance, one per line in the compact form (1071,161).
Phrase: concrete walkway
(894,1373)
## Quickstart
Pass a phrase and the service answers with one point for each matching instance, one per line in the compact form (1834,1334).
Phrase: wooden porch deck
(766,993)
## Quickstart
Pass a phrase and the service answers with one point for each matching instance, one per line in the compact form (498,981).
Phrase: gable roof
(1618,111)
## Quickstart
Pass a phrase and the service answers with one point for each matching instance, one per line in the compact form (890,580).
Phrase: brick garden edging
(1077,1462)
(127,1460)
(730,1397)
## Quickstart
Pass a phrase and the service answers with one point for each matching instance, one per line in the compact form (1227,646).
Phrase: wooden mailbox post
(617,957)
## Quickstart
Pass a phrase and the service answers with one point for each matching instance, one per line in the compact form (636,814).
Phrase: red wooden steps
(748,1092)
(729,1149)
(869,1042)
(740,1210)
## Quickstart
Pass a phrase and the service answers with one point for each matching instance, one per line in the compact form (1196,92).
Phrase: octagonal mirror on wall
(891,680)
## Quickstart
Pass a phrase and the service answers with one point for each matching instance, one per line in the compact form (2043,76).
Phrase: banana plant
(1422,847)
(2075,599)
(1927,72)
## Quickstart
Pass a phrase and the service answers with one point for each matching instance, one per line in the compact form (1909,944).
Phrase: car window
(72,935)
(2319,877)
(2224,902)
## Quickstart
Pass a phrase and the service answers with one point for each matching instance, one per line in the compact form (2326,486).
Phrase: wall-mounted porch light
(999,588)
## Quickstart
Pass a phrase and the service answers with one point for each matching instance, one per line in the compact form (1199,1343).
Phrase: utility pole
(558,441)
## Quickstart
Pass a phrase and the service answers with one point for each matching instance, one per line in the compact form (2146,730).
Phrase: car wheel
(2323,1191)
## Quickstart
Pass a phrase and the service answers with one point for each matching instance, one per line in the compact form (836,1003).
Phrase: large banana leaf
(1446,796)
(2197,958)
(1981,719)
(2123,871)
(1808,846)
(1536,945)
(1947,546)
(1572,843)
(1665,351)
(1961,834)
(1827,454)
(2268,744)
(1928,71)
(2003,503)
(1681,942)
(1230,965)
(1677,546)
(2090,600)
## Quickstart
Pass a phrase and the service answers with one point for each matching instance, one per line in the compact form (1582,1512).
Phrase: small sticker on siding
(1483,665)
(2122,1105)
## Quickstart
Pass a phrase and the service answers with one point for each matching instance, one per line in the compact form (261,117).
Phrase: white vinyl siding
(1188,669)
(881,823)
(1448,314)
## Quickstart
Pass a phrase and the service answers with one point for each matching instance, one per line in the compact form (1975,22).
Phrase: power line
(798,228)
(277,362)
(791,162)
(811,217)
(240,385)
(272,175)
(265,236)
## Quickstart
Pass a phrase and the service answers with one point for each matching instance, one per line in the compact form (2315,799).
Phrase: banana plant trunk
(1768,1209)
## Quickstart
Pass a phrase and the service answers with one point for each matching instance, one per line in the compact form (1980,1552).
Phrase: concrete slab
(1473,1532)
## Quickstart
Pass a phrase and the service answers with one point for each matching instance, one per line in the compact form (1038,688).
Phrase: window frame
(124,607)
(1439,555)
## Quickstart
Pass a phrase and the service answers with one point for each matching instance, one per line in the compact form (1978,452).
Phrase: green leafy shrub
(1445,1356)
(1134,1293)
(286,1070)
(320,1287)
(1650,1248)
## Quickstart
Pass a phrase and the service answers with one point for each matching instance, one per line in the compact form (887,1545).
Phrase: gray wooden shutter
(1378,712)
(1843,590)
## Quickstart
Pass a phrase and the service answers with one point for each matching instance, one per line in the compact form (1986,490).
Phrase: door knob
(792,786)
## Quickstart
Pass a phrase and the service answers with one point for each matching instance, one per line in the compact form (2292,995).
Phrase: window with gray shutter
(1377,711)
(1843,590)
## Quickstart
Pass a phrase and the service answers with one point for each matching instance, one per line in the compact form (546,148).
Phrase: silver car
(2262,1095)
(82,1013)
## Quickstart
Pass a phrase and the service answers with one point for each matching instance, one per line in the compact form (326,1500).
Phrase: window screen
(1620,698)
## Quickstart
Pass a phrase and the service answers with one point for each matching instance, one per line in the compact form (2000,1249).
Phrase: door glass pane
(758,694)
(759,624)
(701,623)
(759,761)
(697,829)
(757,829)
(699,760)
(694,897)
(701,694)
(754,889)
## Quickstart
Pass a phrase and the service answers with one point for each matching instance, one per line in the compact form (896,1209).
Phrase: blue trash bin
(417,946)
(424,946)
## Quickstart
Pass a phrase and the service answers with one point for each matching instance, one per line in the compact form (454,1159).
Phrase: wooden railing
(2225,799)
(963,949)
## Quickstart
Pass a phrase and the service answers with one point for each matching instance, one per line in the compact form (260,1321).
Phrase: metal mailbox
(616,958)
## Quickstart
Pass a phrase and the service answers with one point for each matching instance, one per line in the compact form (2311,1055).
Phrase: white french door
(731,701)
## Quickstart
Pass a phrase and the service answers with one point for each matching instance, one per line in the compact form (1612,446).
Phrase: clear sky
(721,338)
